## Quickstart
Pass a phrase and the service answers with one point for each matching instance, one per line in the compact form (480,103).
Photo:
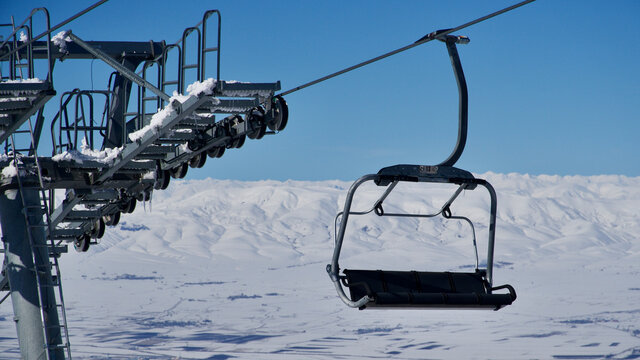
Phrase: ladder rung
(36,207)
(102,195)
(158,150)
(192,126)
(180,136)
(54,249)
(52,285)
(41,207)
(84,127)
(55,326)
(150,156)
(147,165)
(131,171)
(190,66)
(210,49)
(170,82)
(95,202)
(83,214)
(67,232)
(170,141)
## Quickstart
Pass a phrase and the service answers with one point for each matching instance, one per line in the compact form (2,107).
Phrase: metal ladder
(42,266)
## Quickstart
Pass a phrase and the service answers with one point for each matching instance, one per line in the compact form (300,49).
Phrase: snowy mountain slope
(228,269)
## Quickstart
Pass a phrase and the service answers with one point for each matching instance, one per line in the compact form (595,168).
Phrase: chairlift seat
(424,290)
(419,290)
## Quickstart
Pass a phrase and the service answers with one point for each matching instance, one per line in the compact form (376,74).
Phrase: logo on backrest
(425,169)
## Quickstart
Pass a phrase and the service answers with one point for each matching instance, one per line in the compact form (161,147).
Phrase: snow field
(223,269)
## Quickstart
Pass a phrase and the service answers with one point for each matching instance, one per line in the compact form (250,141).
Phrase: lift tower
(110,148)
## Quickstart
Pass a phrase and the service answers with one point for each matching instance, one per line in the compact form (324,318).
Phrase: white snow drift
(230,269)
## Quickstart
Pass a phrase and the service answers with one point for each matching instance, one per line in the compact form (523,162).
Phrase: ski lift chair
(419,289)
(385,289)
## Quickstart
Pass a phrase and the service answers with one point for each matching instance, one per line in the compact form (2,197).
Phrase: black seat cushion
(413,289)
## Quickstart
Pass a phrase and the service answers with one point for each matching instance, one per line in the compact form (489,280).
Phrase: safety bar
(13,54)
(178,81)
(15,64)
(333,269)
(67,127)
(49,29)
(193,66)
(142,93)
(206,49)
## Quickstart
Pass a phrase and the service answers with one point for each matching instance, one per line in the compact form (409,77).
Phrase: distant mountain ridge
(225,269)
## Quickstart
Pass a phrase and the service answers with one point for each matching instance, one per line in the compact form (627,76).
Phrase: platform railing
(68,125)
(13,56)
(187,54)
(207,49)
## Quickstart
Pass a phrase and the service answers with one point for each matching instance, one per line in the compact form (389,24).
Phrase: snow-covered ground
(236,270)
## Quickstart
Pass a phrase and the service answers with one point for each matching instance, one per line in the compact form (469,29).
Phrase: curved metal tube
(183,65)
(473,233)
(492,229)
(333,268)
(204,49)
(164,82)
(336,282)
(463,105)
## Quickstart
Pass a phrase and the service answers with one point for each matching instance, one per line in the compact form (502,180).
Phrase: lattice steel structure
(105,156)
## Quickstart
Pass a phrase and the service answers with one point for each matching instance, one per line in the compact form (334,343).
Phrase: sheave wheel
(112,219)
(179,171)
(281,114)
(239,141)
(98,229)
(213,152)
(220,152)
(216,152)
(167,177)
(81,244)
(257,126)
(162,179)
(198,161)
(131,206)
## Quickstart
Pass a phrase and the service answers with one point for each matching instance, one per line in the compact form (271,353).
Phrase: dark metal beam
(116,49)
(118,67)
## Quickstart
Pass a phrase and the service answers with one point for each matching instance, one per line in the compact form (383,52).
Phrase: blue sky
(553,86)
